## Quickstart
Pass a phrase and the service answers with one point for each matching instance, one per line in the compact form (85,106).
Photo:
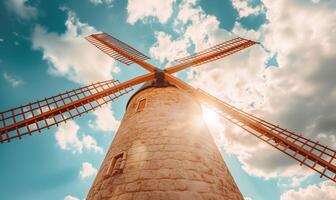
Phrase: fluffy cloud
(105,120)
(96,2)
(107,2)
(165,49)
(69,197)
(87,170)
(70,55)
(67,139)
(14,81)
(197,26)
(90,143)
(245,9)
(301,36)
(202,31)
(325,190)
(22,9)
(141,9)
(292,182)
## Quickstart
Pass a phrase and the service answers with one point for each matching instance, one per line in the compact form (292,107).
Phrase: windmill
(162,149)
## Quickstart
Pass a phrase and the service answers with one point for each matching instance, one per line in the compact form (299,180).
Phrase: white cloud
(107,2)
(70,55)
(202,30)
(96,2)
(105,120)
(90,143)
(69,197)
(87,170)
(67,139)
(187,10)
(14,81)
(142,9)
(292,182)
(306,56)
(197,26)
(22,9)
(1,40)
(325,190)
(245,9)
(165,49)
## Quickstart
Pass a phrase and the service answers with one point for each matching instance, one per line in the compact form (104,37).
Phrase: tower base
(163,150)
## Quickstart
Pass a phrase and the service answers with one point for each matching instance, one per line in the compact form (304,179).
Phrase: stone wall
(168,153)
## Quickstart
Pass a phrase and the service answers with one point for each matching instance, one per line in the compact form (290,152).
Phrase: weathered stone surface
(170,153)
(132,187)
(166,185)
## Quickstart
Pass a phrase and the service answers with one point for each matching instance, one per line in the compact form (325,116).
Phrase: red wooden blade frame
(320,158)
(211,54)
(29,118)
(97,38)
(118,50)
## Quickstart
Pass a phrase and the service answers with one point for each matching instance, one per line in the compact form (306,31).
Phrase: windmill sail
(26,119)
(211,54)
(116,49)
(320,158)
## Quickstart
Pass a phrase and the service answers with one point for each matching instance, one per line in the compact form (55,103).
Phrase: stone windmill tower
(163,149)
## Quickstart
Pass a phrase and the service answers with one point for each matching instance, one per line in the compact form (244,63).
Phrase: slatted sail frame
(32,117)
(211,54)
(223,49)
(320,158)
(116,49)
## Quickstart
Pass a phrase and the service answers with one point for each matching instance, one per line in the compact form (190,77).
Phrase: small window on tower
(117,164)
(141,105)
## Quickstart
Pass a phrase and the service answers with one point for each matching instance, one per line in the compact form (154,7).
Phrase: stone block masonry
(163,151)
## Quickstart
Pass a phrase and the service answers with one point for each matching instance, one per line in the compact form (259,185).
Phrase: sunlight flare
(210,117)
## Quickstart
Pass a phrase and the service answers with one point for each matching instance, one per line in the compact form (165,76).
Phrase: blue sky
(288,80)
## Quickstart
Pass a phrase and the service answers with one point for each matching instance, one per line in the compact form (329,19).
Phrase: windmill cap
(158,82)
